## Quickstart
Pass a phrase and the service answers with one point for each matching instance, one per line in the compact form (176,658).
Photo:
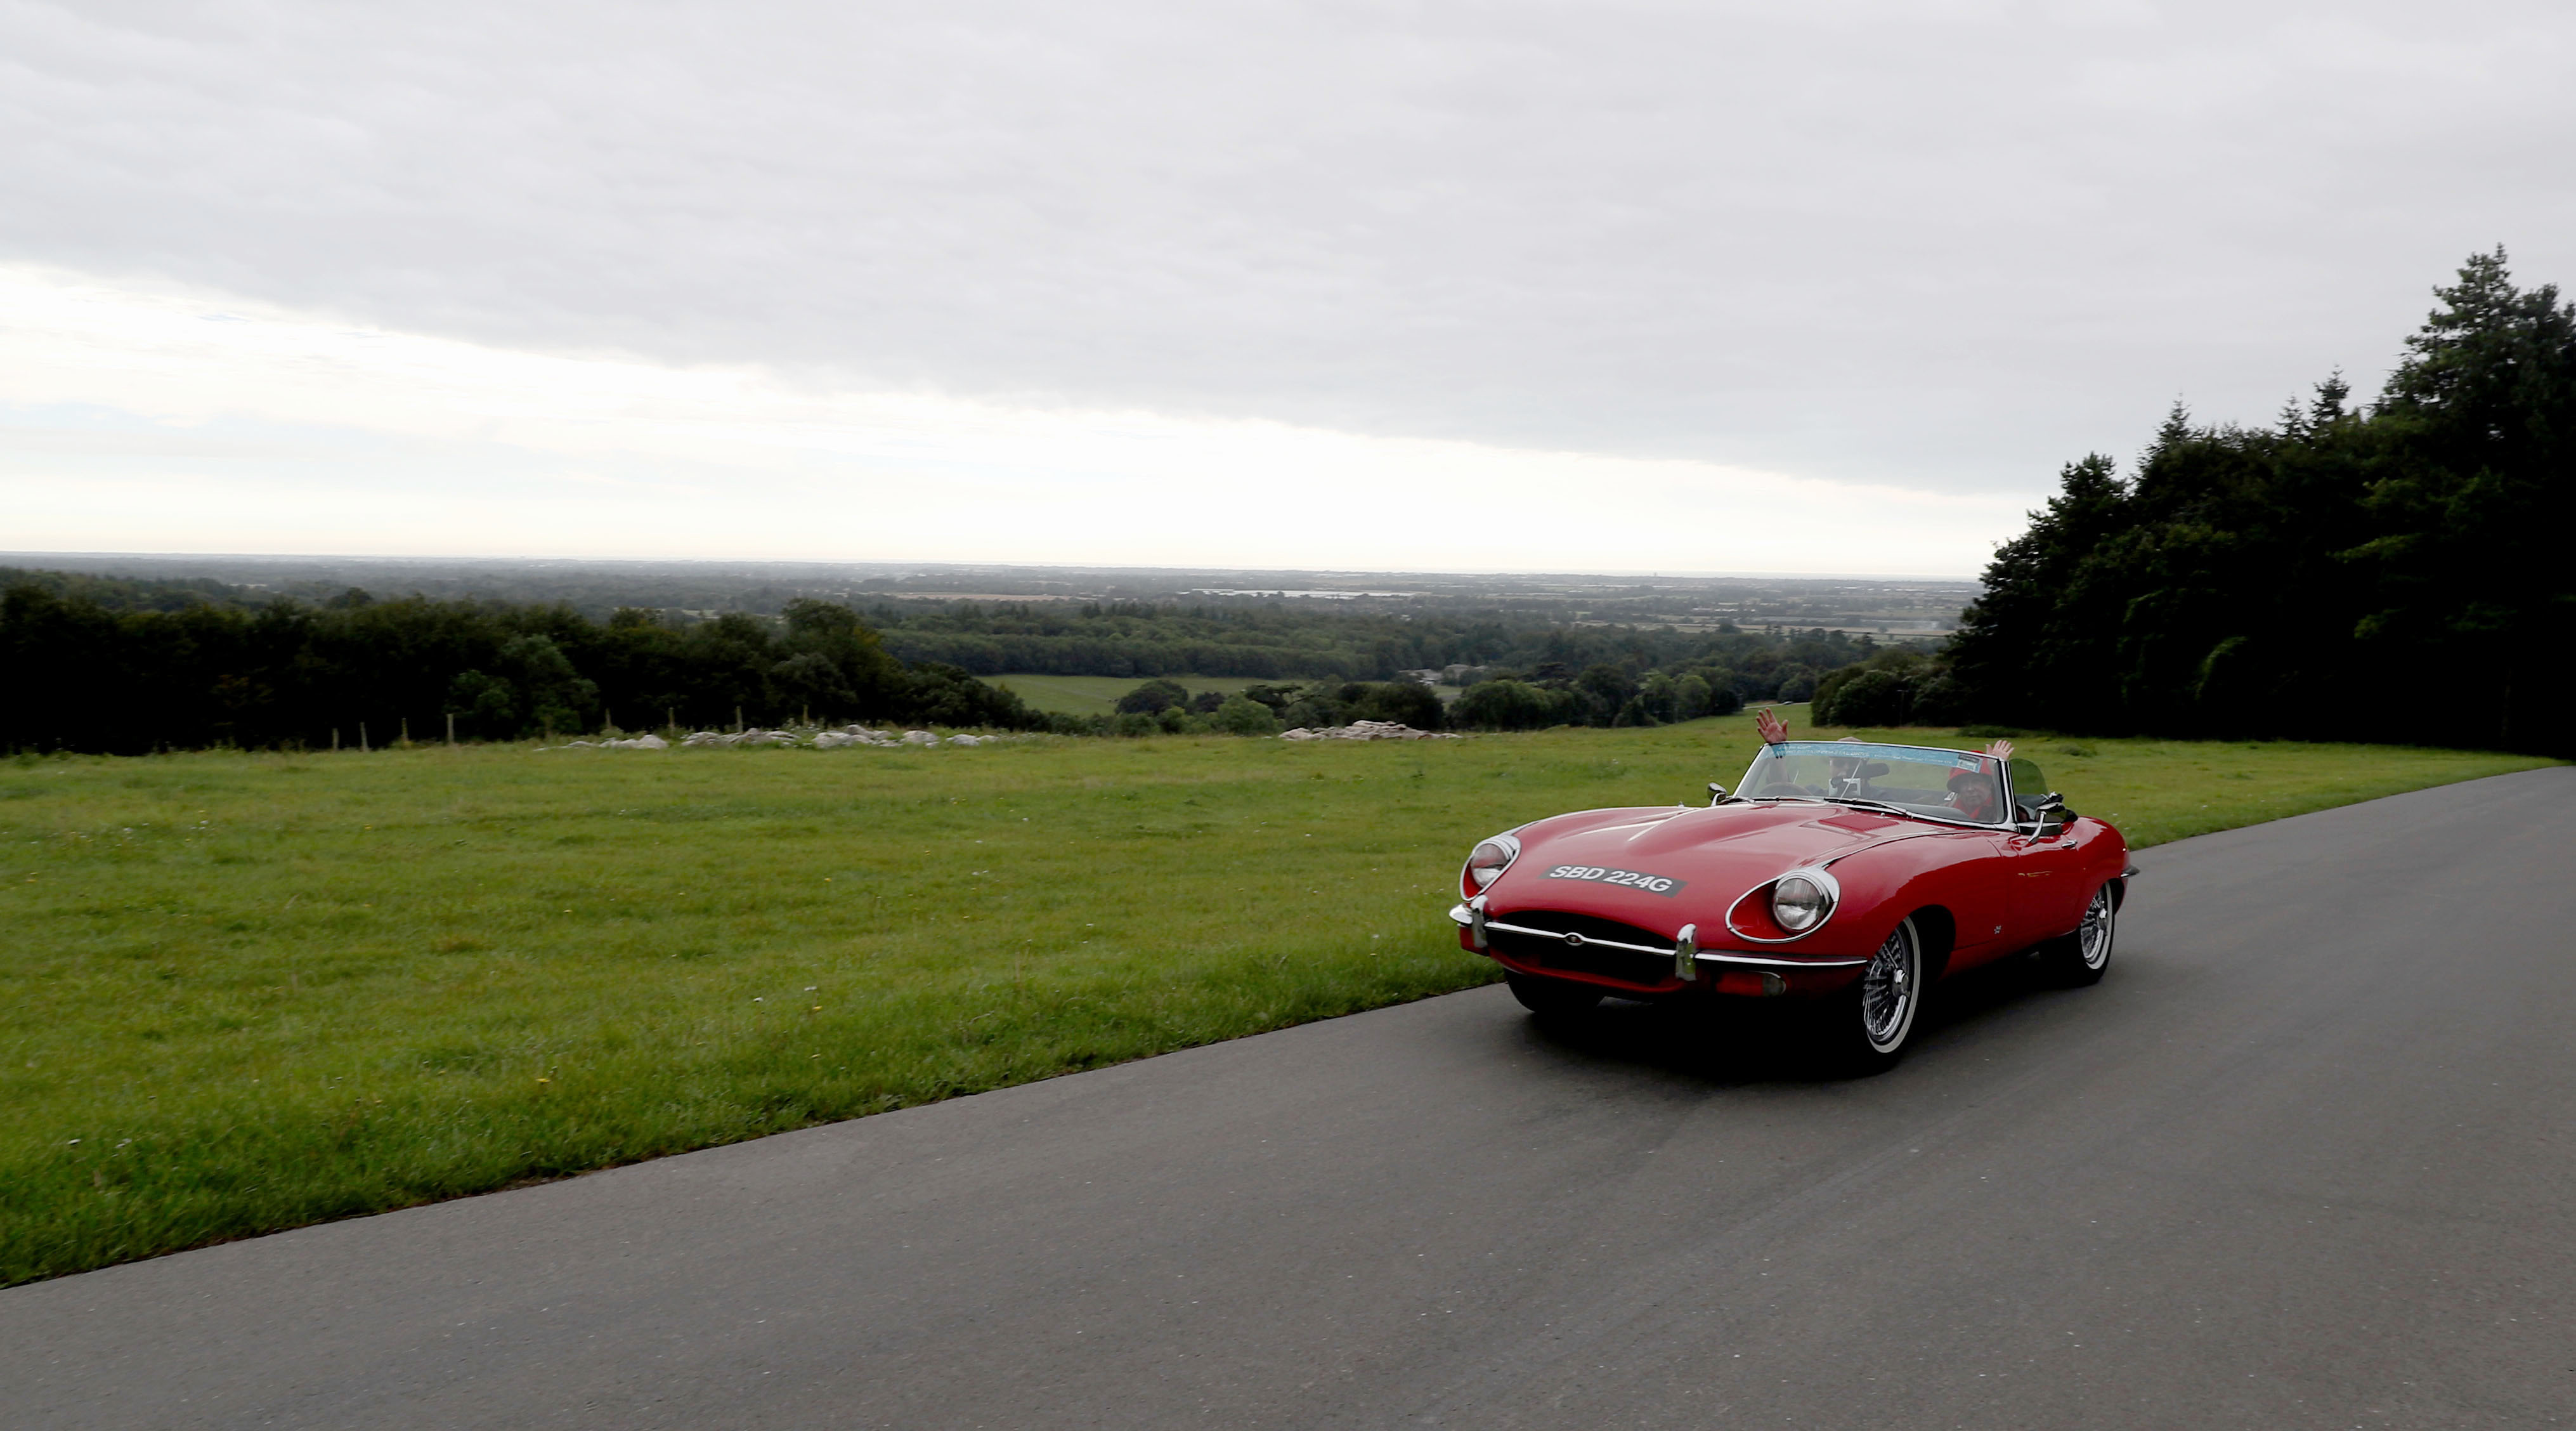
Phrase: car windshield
(1935,784)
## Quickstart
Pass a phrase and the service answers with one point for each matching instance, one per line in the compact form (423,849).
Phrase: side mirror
(1716,793)
(2048,813)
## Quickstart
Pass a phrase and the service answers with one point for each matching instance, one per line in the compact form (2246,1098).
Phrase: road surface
(2306,1158)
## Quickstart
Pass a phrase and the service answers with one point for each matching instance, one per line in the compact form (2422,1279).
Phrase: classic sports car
(1844,872)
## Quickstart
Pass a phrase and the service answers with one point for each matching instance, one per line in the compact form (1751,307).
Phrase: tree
(1404,702)
(1240,715)
(1876,698)
(1153,698)
(2469,564)
(2267,581)
(2024,646)
(1506,704)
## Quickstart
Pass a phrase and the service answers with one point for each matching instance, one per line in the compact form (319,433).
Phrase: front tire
(1874,1021)
(1553,998)
(2078,959)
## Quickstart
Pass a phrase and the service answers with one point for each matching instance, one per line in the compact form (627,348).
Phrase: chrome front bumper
(1685,953)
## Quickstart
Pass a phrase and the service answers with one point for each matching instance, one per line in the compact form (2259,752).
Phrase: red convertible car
(1848,873)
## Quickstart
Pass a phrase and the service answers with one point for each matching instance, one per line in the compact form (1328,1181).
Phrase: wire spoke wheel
(2078,958)
(1891,989)
(2093,937)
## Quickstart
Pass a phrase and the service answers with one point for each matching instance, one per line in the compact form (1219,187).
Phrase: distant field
(247,992)
(1098,695)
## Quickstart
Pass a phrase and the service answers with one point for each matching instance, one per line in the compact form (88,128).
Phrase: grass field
(246,992)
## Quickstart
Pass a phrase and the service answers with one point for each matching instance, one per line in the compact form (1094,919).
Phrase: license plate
(1625,879)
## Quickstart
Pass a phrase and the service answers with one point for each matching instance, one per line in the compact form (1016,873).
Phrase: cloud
(1934,247)
(163,420)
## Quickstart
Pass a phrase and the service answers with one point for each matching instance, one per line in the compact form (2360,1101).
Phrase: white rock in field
(919,737)
(754,736)
(963,740)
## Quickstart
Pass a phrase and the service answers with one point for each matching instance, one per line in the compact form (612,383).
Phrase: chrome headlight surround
(1799,902)
(1497,852)
(1828,890)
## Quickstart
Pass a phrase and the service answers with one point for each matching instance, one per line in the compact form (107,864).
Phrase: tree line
(2378,572)
(88,676)
(121,665)
(2394,572)
(1789,668)
(1284,642)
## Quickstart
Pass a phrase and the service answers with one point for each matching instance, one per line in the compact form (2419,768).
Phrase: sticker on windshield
(1631,879)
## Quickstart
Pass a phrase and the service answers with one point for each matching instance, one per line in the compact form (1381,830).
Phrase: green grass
(1098,695)
(247,992)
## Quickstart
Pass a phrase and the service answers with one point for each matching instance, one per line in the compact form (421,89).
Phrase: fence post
(451,727)
(737,720)
(335,737)
(363,747)
(671,720)
(406,732)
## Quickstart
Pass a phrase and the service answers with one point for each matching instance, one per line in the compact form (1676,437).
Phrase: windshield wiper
(1870,804)
(1900,810)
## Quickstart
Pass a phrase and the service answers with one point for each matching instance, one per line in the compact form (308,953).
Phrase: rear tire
(1553,998)
(2077,960)
(1870,1026)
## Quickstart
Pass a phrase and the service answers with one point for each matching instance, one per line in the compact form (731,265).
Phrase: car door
(2044,887)
(1977,889)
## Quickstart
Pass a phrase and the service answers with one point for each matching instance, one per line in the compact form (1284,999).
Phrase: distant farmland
(1098,695)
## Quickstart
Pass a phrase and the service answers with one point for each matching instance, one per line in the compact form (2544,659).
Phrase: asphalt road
(2307,1158)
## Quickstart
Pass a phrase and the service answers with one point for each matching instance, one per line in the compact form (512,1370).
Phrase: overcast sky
(1825,287)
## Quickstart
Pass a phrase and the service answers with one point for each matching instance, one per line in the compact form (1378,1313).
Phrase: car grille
(1620,964)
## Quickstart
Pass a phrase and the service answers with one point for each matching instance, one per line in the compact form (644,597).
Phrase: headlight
(1489,859)
(1798,903)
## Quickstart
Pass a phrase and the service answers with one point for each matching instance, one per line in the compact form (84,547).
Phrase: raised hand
(1771,726)
(2000,750)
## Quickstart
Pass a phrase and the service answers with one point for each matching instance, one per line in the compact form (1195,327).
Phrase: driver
(1973,795)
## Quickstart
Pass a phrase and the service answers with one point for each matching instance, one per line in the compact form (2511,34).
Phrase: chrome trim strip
(1759,961)
(1577,941)
(1474,918)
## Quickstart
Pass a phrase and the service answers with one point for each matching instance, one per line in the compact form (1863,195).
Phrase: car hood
(1719,851)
